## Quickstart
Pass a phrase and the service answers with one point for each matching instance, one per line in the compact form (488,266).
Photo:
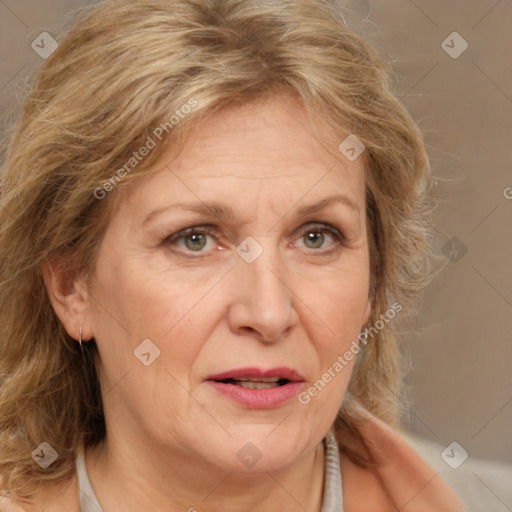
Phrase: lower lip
(268,398)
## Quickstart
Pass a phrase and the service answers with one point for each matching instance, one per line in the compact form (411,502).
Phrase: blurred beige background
(461,348)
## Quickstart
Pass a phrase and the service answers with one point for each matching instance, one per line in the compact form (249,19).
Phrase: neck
(133,478)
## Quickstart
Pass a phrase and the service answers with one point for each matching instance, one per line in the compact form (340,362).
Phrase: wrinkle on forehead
(252,154)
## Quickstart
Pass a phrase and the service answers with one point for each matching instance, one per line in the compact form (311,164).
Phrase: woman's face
(245,257)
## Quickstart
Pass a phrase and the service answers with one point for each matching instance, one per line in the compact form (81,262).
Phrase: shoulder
(62,497)
(6,505)
(401,479)
(362,489)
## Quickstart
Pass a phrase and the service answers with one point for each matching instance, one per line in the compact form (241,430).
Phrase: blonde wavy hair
(115,77)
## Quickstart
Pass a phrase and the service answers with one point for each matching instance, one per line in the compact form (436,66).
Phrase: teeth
(257,385)
(257,379)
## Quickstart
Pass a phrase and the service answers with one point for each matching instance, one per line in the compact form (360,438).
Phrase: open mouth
(260,383)
(256,388)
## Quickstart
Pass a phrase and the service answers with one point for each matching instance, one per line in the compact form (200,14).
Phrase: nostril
(249,330)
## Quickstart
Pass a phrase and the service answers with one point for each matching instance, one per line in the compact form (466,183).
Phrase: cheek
(138,301)
(138,304)
(341,305)
(339,301)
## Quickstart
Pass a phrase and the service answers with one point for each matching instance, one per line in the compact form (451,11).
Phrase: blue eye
(192,239)
(316,236)
(195,241)
(201,240)
(314,239)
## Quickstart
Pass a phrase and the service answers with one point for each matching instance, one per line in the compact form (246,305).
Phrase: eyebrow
(213,209)
(320,205)
(225,213)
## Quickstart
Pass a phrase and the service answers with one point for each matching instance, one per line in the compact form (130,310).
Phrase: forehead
(268,148)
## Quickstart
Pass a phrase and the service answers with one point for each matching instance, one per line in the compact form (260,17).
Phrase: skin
(172,441)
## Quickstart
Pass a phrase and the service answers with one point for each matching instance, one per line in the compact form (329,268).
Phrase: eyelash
(212,230)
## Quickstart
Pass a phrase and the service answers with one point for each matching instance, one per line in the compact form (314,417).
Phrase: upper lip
(282,372)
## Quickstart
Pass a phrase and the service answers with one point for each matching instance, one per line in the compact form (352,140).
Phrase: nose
(262,301)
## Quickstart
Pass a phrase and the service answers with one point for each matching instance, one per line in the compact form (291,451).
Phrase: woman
(213,217)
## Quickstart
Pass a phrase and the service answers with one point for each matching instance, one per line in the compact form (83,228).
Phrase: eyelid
(206,229)
(310,226)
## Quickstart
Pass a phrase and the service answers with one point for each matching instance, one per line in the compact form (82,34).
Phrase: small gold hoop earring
(80,340)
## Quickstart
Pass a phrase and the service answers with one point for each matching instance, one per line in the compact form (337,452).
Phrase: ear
(69,298)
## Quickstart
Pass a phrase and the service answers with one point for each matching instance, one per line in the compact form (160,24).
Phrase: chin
(262,448)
